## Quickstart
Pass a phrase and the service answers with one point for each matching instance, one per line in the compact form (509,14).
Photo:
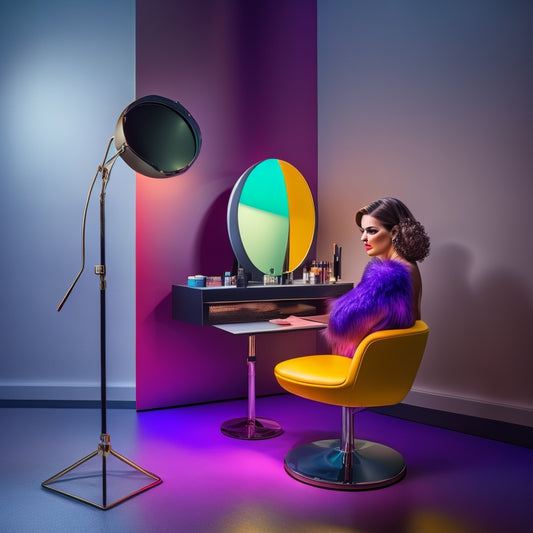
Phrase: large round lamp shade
(158,137)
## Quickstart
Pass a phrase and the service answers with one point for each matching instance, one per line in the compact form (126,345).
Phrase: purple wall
(247,72)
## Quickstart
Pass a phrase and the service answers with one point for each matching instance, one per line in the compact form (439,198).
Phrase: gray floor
(455,483)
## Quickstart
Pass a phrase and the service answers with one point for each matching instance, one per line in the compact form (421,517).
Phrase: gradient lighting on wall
(159,138)
(271,218)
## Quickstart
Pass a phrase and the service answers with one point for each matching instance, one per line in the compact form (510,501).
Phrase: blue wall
(66,73)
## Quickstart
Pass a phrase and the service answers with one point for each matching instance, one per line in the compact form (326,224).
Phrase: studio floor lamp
(158,138)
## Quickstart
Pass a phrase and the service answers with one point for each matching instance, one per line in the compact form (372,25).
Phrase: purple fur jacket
(383,299)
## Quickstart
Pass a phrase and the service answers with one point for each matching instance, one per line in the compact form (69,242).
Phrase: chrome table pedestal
(251,427)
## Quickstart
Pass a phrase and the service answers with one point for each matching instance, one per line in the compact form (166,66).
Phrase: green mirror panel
(271,218)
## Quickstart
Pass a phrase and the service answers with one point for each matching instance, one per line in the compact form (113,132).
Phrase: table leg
(251,427)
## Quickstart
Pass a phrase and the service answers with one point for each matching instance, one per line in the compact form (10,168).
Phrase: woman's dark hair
(412,241)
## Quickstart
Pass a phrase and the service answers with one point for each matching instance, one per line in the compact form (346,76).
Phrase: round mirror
(271,218)
(158,136)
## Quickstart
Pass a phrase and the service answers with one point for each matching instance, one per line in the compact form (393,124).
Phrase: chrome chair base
(251,429)
(323,464)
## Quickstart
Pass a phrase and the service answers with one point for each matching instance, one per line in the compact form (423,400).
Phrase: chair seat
(321,370)
(381,371)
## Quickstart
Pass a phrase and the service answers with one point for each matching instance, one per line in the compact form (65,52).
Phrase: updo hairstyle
(412,241)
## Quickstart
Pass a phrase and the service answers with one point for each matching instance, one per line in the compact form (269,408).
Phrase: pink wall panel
(247,73)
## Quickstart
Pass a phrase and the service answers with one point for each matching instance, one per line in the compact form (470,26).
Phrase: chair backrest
(384,366)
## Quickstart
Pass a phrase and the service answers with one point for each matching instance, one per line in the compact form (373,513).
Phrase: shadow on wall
(481,330)
(213,252)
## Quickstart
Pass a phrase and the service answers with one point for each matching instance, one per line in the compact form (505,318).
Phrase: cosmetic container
(241,277)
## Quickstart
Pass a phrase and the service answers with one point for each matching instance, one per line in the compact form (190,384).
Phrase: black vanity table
(248,311)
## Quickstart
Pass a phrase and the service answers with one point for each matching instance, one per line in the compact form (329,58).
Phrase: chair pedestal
(346,463)
(322,463)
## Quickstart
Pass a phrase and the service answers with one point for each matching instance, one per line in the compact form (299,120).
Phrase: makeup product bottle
(241,277)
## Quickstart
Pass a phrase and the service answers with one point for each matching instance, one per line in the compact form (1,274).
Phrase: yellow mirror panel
(301,215)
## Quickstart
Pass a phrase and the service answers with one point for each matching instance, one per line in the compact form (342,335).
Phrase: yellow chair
(381,372)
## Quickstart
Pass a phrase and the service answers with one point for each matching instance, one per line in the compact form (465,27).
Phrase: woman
(390,291)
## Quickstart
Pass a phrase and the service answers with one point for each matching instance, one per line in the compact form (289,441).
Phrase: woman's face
(376,238)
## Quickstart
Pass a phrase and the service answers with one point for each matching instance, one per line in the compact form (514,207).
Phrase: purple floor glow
(212,483)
